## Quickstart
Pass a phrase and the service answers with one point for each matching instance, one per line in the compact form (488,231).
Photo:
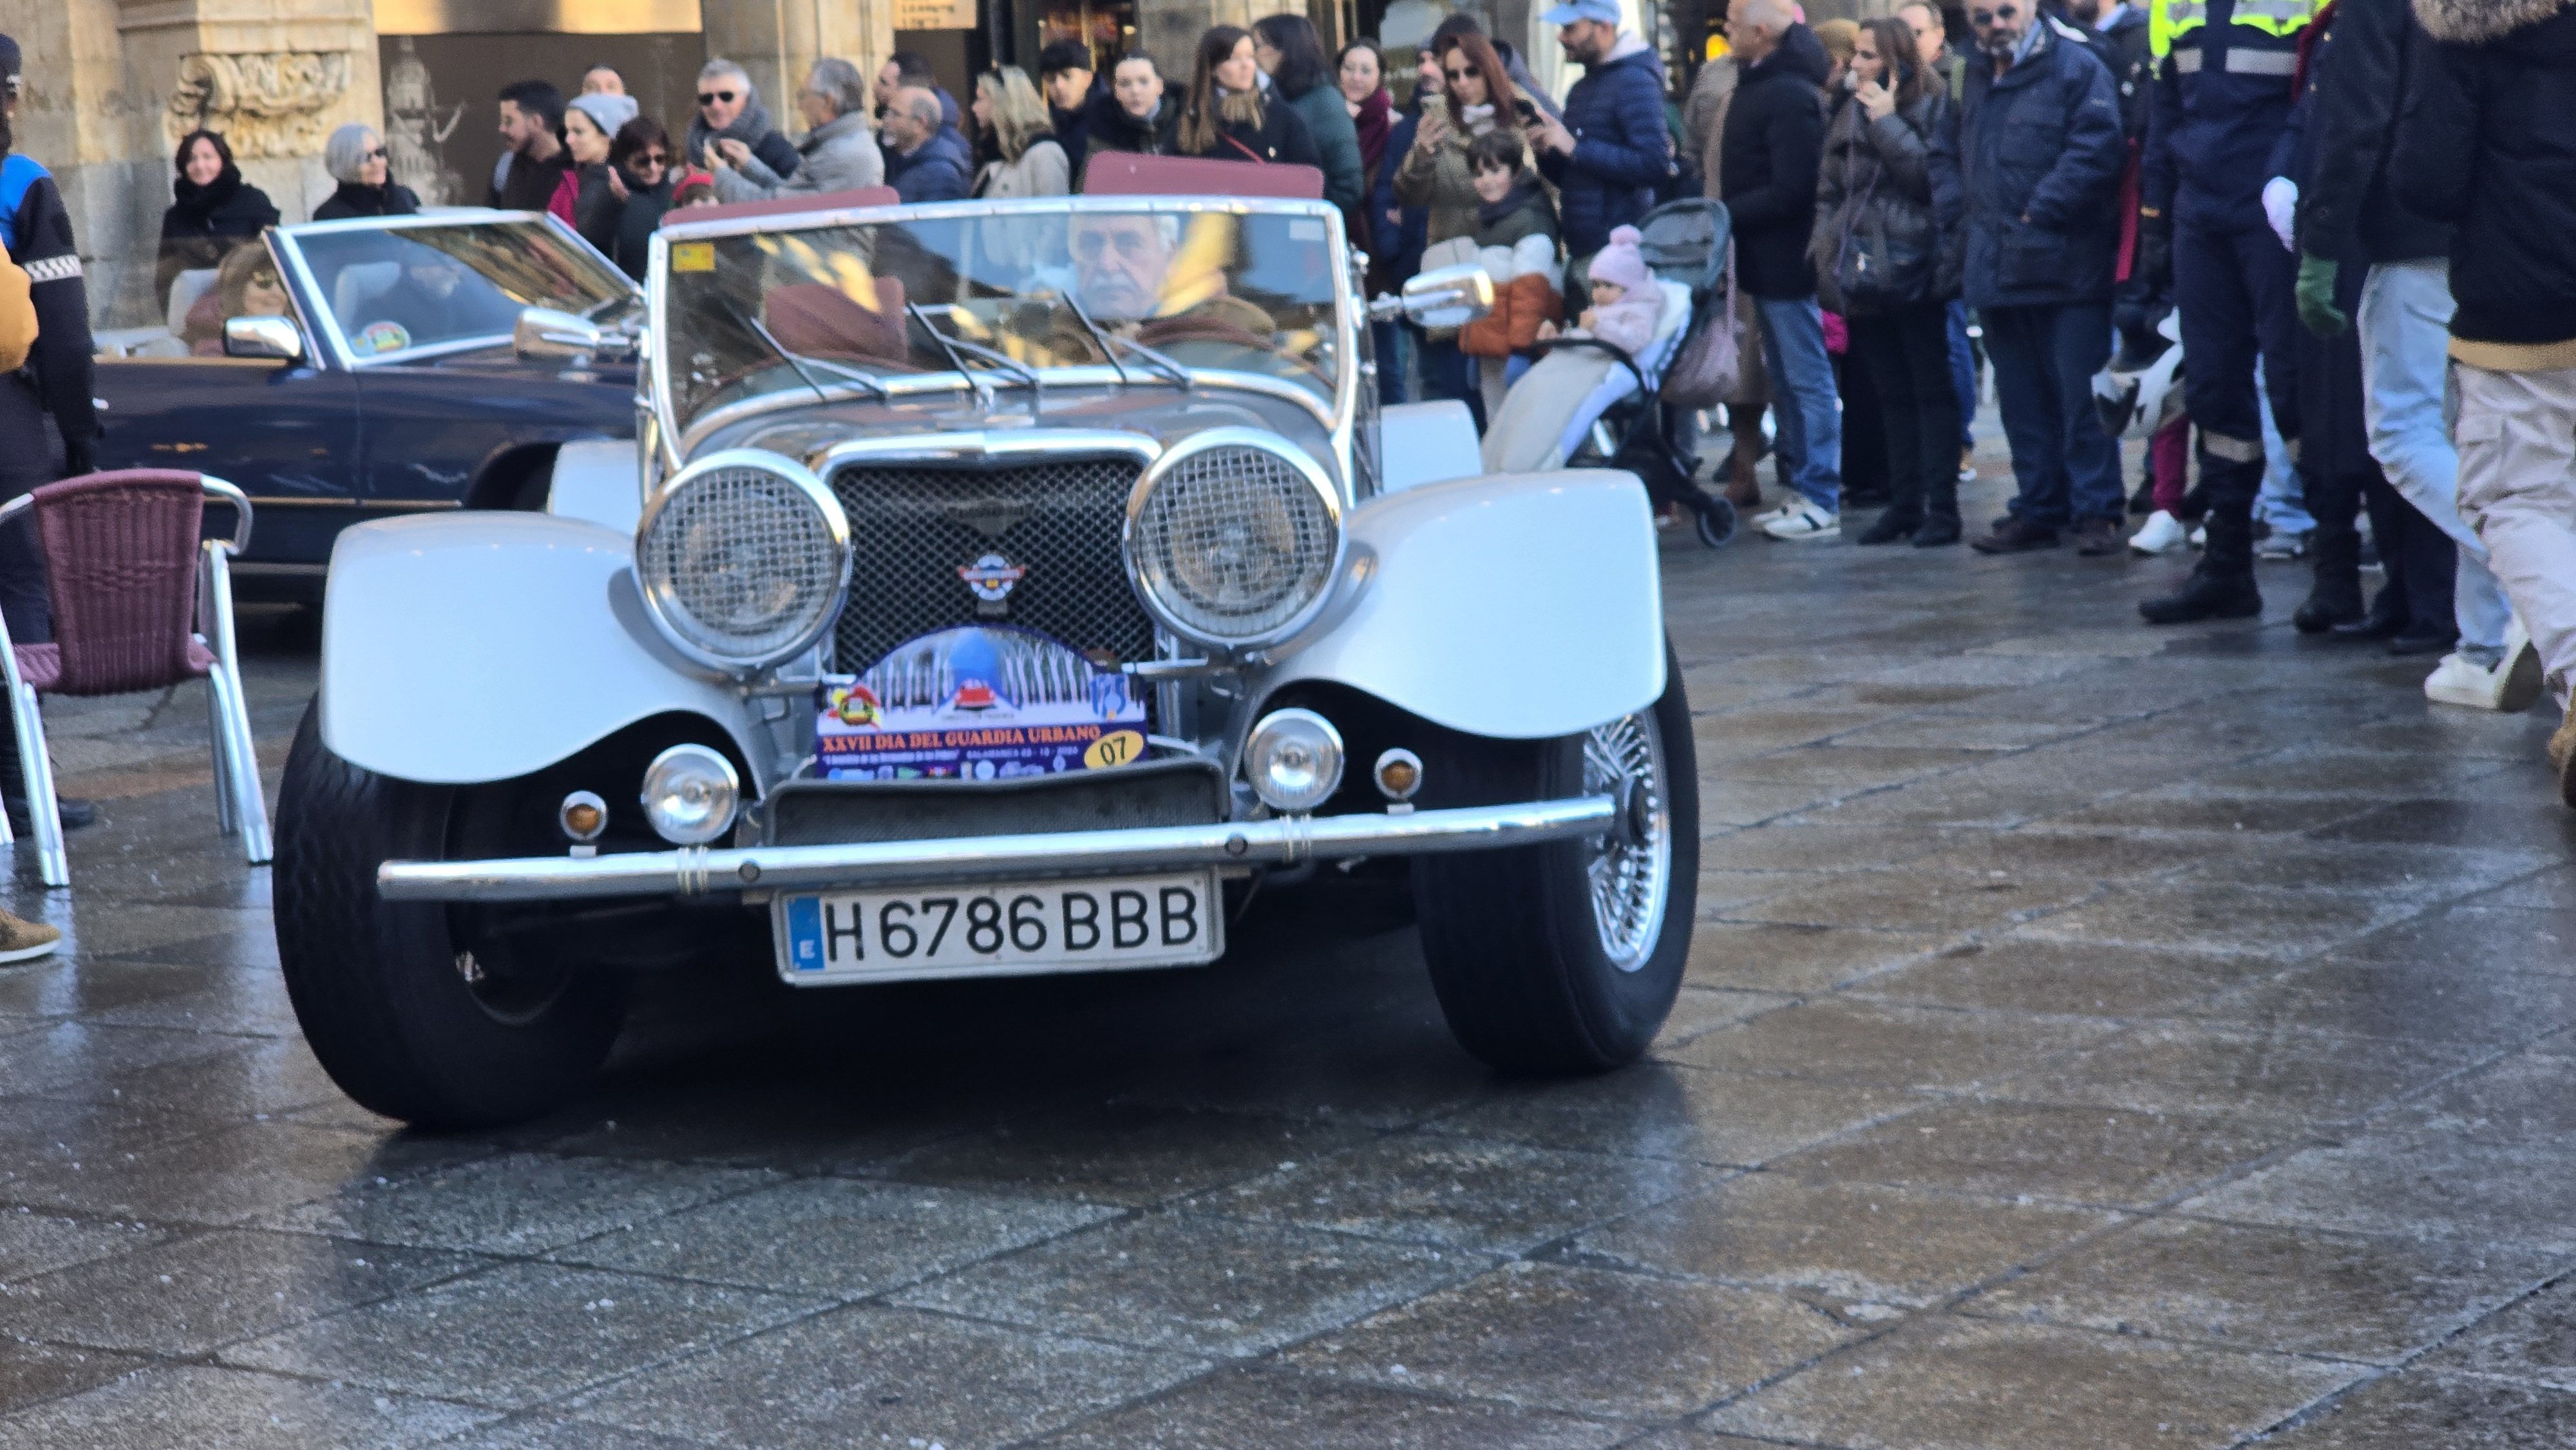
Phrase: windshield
(400,289)
(1149,289)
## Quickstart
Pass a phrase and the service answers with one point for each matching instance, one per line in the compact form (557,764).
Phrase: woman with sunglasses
(592,192)
(1477,96)
(355,157)
(212,212)
(640,165)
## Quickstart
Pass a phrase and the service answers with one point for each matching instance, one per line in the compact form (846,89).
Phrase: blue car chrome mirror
(269,337)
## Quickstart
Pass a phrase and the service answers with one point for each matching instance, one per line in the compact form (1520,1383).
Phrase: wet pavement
(2094,1037)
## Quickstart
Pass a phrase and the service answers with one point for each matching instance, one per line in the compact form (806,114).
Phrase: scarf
(747,128)
(1375,120)
(1476,120)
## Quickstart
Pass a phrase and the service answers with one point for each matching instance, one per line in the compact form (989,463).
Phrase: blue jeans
(2044,360)
(2405,322)
(1963,373)
(1394,348)
(1804,400)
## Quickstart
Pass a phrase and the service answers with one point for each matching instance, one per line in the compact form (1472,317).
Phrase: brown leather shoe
(2095,538)
(22,940)
(2014,536)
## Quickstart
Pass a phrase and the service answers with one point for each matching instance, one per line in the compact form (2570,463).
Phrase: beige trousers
(2517,438)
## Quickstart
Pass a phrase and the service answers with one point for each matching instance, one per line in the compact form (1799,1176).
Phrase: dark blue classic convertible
(349,370)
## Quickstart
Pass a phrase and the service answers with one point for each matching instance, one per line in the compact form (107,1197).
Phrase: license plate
(1000,930)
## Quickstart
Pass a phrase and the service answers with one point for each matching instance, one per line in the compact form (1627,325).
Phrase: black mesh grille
(914,525)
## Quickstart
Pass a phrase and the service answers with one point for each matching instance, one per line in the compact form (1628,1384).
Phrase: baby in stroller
(1593,399)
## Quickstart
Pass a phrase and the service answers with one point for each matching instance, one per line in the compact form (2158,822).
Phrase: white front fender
(459,648)
(1517,606)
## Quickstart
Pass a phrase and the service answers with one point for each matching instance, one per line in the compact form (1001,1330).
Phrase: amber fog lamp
(583,816)
(1398,774)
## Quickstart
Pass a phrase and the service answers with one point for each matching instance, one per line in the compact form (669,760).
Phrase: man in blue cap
(1612,147)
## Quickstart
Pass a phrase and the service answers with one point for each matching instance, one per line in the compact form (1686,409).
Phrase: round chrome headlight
(1294,759)
(744,558)
(690,795)
(1233,536)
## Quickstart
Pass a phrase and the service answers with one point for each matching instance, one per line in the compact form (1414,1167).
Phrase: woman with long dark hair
(1289,51)
(1361,70)
(213,210)
(1225,117)
(1477,97)
(1881,262)
(641,163)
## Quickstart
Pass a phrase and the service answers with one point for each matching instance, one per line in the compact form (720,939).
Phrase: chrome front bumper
(1286,841)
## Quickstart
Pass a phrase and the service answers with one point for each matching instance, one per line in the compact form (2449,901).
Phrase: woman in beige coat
(1434,173)
(1704,120)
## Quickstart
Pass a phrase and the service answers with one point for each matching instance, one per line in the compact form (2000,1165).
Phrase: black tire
(376,984)
(1715,521)
(1516,955)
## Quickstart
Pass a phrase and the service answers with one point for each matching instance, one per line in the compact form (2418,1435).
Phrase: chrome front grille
(914,525)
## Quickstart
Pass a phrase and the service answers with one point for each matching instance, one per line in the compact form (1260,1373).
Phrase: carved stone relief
(267,104)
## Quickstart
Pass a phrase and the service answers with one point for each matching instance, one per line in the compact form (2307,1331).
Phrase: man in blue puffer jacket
(1613,147)
(2041,152)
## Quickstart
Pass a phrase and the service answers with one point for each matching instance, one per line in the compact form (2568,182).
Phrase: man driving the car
(433,302)
(1131,273)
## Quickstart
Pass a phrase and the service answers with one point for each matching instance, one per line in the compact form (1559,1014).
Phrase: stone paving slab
(2093,1037)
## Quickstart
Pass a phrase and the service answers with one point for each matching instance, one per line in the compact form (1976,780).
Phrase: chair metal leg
(237,757)
(226,821)
(53,865)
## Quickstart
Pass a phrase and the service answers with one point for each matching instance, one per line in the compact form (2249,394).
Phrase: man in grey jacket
(839,152)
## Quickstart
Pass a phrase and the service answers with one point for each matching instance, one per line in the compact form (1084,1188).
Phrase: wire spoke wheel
(1631,880)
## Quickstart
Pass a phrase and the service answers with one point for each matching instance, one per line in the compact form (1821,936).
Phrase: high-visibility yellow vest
(2167,20)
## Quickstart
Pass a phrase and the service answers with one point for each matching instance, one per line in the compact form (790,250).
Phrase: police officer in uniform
(54,385)
(2221,105)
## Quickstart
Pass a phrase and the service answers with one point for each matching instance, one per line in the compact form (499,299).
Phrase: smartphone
(1528,113)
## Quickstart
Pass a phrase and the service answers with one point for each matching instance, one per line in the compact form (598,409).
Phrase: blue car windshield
(1097,284)
(399,289)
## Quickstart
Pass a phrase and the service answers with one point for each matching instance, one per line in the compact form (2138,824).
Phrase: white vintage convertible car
(995,588)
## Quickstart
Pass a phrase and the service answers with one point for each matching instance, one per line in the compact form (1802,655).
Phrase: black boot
(2335,598)
(2221,585)
(74,814)
(1892,526)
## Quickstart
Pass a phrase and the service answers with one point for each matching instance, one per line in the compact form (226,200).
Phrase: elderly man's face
(2000,25)
(435,275)
(1119,263)
(902,126)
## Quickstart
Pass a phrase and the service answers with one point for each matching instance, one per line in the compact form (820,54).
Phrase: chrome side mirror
(545,335)
(269,337)
(1443,297)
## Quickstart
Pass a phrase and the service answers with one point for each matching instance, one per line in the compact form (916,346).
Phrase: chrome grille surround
(1233,538)
(743,559)
(916,521)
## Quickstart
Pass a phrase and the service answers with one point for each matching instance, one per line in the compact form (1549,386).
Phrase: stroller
(1625,423)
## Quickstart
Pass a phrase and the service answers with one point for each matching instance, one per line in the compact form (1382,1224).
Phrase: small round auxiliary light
(690,793)
(583,816)
(1398,774)
(1294,759)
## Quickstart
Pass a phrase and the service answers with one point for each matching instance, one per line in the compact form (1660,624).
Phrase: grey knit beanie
(606,112)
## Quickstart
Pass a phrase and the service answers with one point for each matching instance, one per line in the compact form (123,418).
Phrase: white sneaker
(2508,686)
(1777,511)
(1803,520)
(2162,533)
(2200,536)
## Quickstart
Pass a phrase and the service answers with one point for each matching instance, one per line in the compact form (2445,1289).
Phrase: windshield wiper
(796,363)
(959,349)
(1109,346)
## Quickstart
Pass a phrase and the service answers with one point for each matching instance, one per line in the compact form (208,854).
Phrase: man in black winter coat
(2041,152)
(2346,208)
(2488,144)
(1773,143)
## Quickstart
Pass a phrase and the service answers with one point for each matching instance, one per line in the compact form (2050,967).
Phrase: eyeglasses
(263,279)
(1989,17)
(709,98)
(376,153)
(1460,75)
(1090,246)
(652,158)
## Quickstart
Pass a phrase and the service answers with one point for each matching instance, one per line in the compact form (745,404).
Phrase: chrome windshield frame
(1337,415)
(289,242)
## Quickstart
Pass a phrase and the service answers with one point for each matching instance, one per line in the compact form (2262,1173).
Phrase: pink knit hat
(1620,263)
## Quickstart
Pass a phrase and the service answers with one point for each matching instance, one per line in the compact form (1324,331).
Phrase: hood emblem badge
(992,578)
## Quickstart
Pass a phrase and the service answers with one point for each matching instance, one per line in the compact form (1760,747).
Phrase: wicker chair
(140,603)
